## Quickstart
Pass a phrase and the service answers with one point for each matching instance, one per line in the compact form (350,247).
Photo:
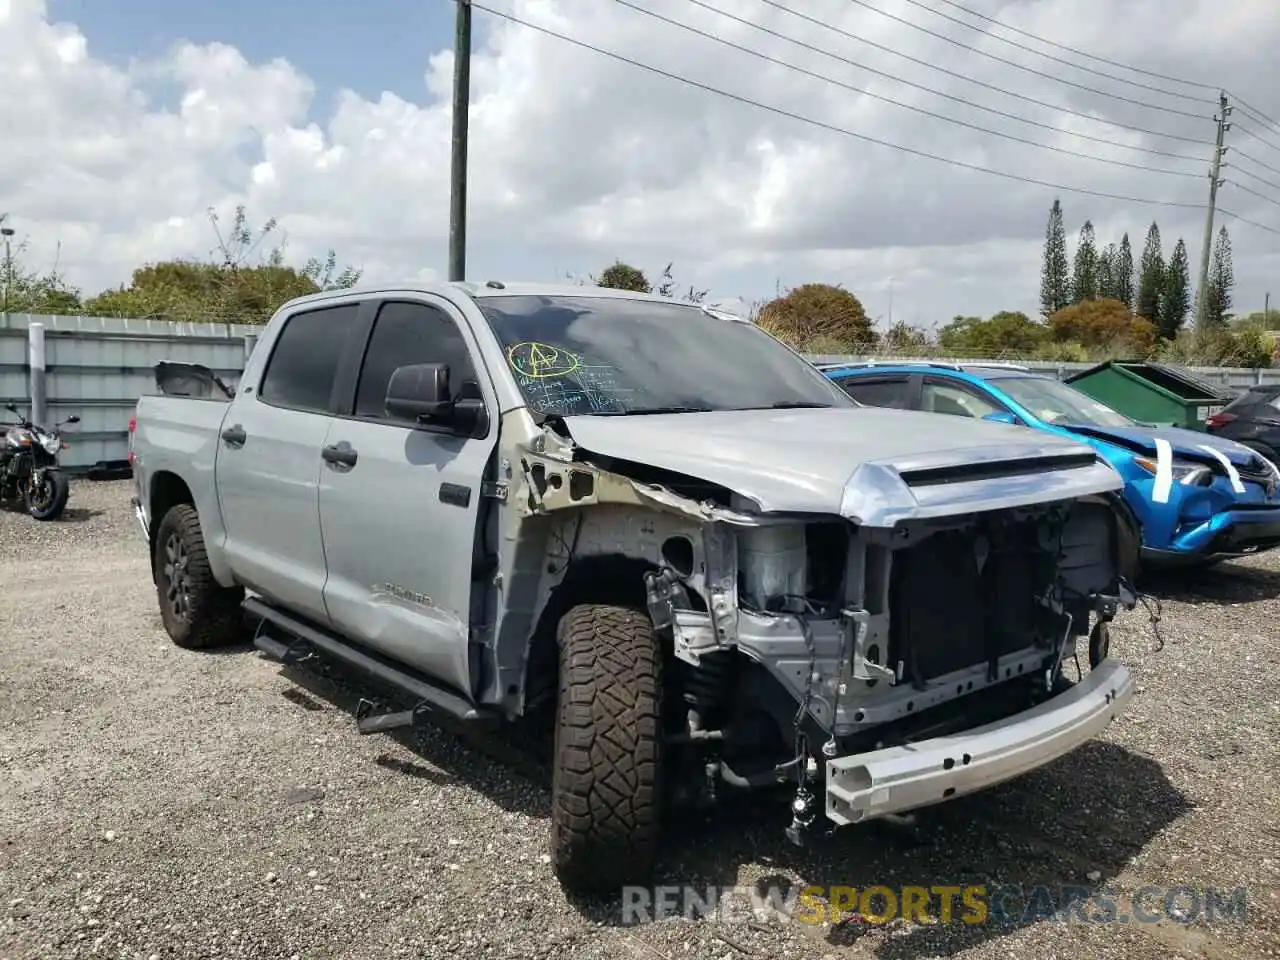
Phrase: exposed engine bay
(877,634)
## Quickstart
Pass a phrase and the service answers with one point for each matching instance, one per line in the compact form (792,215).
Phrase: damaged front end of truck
(903,632)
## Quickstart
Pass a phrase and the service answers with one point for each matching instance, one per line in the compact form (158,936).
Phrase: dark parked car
(1253,418)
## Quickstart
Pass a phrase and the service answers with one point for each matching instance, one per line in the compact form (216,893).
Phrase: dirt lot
(159,803)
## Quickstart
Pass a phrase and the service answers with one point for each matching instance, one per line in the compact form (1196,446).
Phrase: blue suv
(1198,498)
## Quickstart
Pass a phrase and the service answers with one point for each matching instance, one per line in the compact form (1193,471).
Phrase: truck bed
(179,434)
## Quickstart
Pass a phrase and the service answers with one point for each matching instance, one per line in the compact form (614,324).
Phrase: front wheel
(46,497)
(606,779)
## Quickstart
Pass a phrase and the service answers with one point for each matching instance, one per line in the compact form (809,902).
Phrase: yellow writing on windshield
(541,360)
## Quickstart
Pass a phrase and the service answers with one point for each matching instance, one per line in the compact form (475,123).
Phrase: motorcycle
(29,466)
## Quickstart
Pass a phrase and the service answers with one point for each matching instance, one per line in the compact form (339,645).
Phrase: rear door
(268,464)
(898,390)
(402,523)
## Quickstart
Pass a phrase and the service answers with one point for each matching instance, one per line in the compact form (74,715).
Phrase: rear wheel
(198,612)
(46,498)
(606,779)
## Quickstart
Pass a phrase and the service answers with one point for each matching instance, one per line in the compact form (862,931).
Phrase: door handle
(341,454)
(235,435)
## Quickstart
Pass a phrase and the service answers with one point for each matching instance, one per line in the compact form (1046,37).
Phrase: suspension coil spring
(706,686)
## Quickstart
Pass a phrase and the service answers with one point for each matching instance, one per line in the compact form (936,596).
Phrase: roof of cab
(480,290)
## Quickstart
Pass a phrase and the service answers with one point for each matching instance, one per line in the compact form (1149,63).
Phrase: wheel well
(167,491)
(610,579)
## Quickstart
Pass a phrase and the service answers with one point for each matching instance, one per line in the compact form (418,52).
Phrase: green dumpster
(1152,392)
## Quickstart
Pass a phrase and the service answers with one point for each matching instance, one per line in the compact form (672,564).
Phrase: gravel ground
(160,803)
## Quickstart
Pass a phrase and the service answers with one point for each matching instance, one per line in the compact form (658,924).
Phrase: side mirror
(11,407)
(1002,416)
(420,392)
(72,419)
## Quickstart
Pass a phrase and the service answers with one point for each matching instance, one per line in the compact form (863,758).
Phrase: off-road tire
(212,615)
(607,767)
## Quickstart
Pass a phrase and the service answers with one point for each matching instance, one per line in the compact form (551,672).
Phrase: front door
(268,466)
(939,395)
(401,505)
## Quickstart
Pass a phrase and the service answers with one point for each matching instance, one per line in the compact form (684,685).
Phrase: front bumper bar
(896,779)
(1226,534)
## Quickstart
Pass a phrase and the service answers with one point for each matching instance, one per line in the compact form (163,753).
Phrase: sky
(123,124)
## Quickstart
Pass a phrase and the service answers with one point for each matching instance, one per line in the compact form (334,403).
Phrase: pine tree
(1221,280)
(1084,282)
(1124,273)
(1150,276)
(1055,279)
(1175,298)
(1107,285)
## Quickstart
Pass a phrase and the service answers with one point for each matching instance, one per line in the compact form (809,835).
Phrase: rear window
(1264,395)
(877,393)
(304,361)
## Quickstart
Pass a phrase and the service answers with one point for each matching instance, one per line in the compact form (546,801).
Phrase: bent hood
(1184,443)
(872,464)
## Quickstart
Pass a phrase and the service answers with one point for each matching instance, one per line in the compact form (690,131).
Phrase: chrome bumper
(141,516)
(869,785)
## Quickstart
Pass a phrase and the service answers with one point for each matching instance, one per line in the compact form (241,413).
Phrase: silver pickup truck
(650,531)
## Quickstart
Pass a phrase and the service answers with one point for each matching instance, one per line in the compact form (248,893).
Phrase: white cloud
(577,159)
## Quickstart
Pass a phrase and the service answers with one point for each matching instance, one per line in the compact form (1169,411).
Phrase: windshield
(1055,402)
(576,355)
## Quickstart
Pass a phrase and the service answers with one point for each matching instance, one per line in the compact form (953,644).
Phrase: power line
(582,44)
(1247,173)
(1048,56)
(1260,116)
(844,131)
(1026,69)
(1262,196)
(1248,132)
(1244,156)
(1080,53)
(989,86)
(897,103)
(1246,107)
(1253,223)
(939,93)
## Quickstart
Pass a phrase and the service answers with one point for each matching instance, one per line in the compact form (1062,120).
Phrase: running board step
(369,722)
(294,652)
(308,638)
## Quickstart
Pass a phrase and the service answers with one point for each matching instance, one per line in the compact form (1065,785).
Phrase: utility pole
(7,232)
(1202,301)
(458,174)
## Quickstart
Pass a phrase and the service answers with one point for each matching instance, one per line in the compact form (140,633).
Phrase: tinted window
(877,393)
(955,400)
(304,361)
(580,355)
(1256,397)
(409,333)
